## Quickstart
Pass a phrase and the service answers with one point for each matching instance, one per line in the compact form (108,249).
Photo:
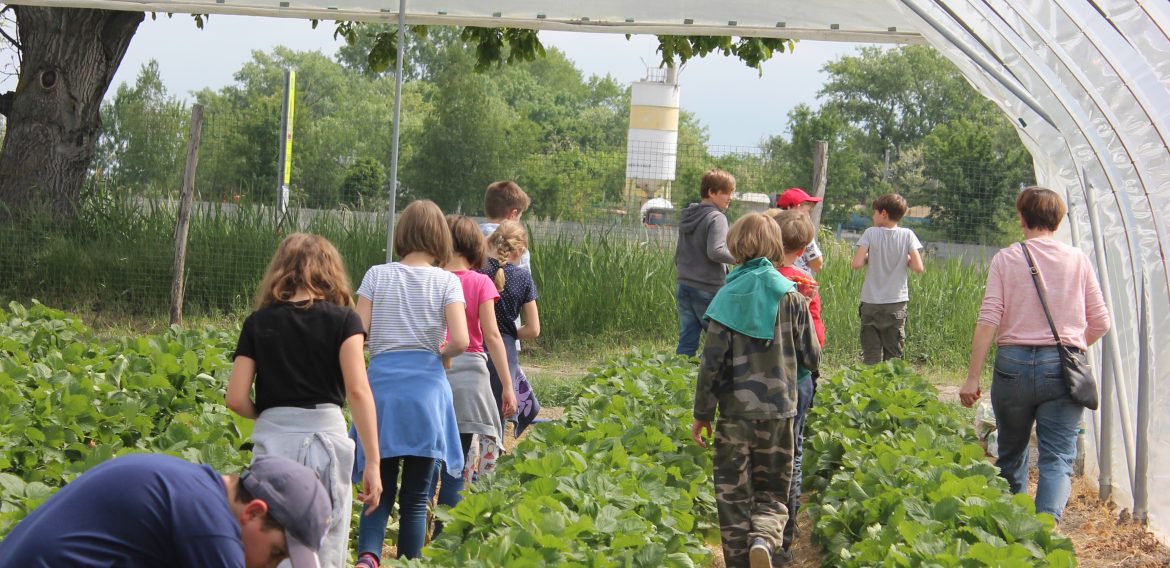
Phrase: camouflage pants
(753,471)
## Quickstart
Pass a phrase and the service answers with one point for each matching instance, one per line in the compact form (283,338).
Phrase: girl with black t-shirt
(303,349)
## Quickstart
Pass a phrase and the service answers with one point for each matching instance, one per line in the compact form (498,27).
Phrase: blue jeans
(1028,388)
(451,488)
(692,304)
(418,476)
(804,402)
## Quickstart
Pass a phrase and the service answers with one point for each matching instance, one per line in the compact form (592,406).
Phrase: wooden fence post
(184,221)
(820,177)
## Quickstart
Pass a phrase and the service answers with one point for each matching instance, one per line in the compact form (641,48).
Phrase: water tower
(652,143)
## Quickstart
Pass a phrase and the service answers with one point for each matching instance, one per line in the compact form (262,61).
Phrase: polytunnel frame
(1045,63)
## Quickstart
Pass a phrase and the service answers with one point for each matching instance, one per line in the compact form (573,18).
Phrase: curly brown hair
(305,262)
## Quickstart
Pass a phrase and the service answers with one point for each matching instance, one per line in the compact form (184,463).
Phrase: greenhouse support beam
(1013,86)
(1141,495)
(401,47)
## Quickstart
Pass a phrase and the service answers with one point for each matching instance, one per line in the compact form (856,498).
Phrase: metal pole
(1141,492)
(401,47)
(1079,464)
(1112,346)
(1105,433)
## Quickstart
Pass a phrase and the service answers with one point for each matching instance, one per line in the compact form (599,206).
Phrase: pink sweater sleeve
(1096,312)
(991,310)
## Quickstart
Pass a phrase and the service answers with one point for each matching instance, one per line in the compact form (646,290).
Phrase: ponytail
(498,277)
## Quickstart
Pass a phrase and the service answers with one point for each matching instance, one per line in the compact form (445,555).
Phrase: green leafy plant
(69,401)
(899,482)
(618,483)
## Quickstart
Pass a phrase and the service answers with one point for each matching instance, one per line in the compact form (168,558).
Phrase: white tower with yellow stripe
(652,143)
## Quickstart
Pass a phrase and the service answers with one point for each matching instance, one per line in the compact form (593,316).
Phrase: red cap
(794,196)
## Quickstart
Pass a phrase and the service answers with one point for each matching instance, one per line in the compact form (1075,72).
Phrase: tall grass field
(603,288)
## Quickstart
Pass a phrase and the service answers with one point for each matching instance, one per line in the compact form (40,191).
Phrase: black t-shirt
(297,352)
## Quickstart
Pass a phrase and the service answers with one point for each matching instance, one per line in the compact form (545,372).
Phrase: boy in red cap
(795,198)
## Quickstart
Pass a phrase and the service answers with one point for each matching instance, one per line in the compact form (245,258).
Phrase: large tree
(67,60)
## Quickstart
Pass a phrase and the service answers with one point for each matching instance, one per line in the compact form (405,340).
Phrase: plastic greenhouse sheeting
(1087,84)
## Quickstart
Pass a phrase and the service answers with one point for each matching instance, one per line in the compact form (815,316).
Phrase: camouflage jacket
(755,379)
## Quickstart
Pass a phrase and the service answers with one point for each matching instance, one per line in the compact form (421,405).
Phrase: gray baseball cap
(296,499)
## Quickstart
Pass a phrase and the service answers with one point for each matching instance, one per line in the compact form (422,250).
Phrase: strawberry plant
(900,482)
(618,483)
(69,401)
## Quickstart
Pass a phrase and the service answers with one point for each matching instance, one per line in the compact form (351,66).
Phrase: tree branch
(10,39)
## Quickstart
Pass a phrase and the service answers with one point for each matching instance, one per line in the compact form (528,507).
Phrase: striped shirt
(408,306)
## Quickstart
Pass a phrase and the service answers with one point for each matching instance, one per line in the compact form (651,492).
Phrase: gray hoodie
(702,247)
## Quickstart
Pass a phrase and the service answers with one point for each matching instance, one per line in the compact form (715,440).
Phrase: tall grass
(604,287)
(117,255)
(597,289)
(944,302)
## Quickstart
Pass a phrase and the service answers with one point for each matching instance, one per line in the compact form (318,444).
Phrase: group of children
(762,352)
(441,327)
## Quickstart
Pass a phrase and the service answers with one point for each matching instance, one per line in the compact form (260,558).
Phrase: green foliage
(117,255)
(754,51)
(899,482)
(364,178)
(969,199)
(144,136)
(618,483)
(69,401)
(604,286)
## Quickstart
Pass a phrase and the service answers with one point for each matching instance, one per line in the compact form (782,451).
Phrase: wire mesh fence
(116,254)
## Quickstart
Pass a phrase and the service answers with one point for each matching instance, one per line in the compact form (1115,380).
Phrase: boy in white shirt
(889,251)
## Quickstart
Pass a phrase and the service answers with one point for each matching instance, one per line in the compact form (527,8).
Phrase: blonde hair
(305,262)
(755,235)
(796,229)
(508,240)
(421,227)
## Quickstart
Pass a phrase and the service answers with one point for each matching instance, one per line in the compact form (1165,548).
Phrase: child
(700,256)
(302,348)
(475,407)
(517,296)
(797,232)
(408,307)
(505,201)
(758,334)
(888,250)
(812,260)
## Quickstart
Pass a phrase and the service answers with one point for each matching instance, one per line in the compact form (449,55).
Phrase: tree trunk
(68,59)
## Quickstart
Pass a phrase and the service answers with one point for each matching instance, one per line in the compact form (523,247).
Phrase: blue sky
(739,106)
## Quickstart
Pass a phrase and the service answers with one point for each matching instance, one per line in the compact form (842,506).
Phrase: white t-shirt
(409,304)
(811,253)
(885,275)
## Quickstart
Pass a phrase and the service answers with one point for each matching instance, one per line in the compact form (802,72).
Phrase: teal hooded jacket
(747,303)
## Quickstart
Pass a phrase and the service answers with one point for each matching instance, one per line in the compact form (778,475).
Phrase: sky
(738,105)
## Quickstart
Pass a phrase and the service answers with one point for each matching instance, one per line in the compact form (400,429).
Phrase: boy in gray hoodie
(701,255)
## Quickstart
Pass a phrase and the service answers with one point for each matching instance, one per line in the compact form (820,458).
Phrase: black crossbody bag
(1075,363)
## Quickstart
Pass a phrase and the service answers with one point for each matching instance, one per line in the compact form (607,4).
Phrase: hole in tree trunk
(48,79)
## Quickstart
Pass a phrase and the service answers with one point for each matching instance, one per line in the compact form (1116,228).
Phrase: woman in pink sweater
(1028,385)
